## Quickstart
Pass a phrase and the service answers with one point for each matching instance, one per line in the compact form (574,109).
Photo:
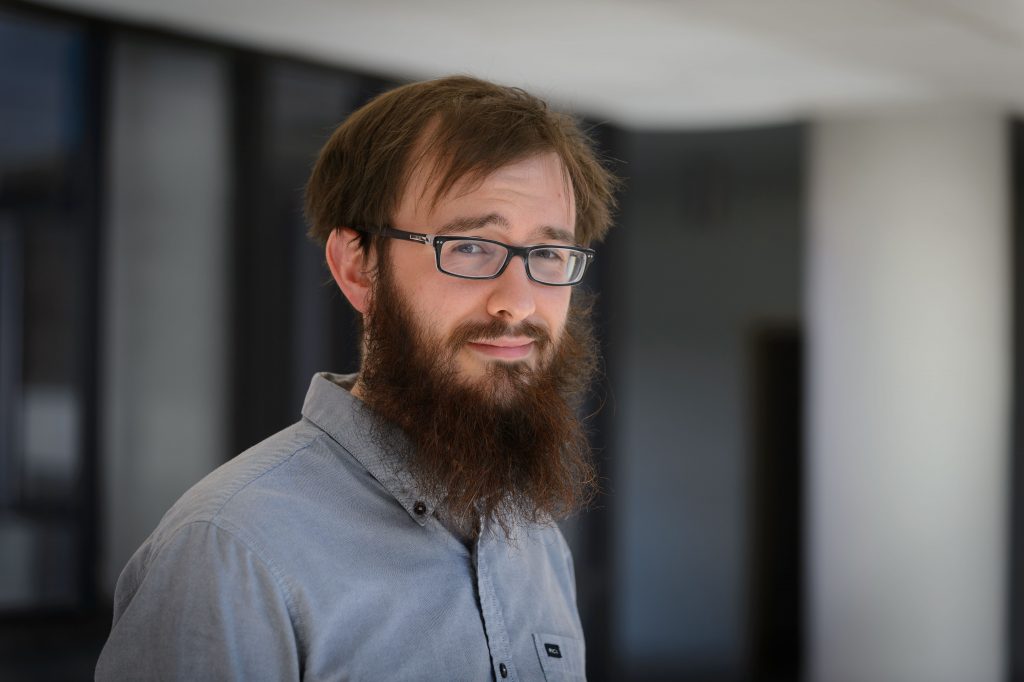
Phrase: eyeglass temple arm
(409,236)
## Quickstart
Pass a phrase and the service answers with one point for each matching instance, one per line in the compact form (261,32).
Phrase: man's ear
(351,266)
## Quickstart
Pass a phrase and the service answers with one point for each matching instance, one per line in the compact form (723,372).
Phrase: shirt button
(420,508)
(503,670)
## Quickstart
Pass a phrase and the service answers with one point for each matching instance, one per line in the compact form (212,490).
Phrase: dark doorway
(776,504)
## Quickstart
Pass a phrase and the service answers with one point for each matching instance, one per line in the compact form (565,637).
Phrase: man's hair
(467,128)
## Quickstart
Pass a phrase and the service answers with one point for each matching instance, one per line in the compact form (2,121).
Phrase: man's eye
(550,254)
(469,249)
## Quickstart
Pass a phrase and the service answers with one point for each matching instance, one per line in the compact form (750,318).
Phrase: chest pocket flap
(561,658)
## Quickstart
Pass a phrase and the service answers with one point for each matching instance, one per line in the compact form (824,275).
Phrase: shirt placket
(494,621)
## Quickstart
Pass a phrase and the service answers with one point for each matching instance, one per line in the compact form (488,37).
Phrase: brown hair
(475,128)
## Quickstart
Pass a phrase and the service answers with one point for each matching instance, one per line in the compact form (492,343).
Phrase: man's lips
(504,348)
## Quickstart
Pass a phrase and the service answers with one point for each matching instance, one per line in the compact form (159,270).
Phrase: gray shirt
(311,556)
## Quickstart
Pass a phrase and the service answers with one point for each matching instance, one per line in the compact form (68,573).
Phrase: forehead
(537,187)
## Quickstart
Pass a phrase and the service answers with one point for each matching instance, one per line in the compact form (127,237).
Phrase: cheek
(439,304)
(417,281)
(554,308)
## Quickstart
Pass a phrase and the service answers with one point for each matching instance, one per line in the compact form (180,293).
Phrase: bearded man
(404,529)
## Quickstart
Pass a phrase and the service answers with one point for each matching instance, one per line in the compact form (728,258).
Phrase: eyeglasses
(477,258)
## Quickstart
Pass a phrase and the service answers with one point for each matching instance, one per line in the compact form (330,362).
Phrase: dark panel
(593,540)
(1015,587)
(290,320)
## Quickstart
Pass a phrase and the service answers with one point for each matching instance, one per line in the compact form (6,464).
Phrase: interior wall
(711,253)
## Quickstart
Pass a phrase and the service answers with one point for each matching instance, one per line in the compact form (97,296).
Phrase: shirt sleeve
(204,607)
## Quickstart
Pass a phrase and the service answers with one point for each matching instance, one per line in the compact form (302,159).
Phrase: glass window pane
(45,331)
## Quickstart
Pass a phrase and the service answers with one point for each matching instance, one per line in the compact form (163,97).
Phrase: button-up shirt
(313,556)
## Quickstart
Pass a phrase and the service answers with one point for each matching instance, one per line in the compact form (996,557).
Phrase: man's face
(524,203)
(483,376)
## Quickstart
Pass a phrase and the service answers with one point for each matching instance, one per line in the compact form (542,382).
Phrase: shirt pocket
(561,658)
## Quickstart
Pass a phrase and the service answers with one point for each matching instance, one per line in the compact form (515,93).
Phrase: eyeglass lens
(471,258)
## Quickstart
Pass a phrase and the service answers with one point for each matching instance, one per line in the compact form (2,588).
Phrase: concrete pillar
(909,397)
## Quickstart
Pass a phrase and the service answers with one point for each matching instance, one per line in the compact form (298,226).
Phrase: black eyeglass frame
(439,240)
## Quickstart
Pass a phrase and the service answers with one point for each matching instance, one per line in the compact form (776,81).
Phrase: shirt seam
(256,550)
(217,520)
(236,535)
(215,513)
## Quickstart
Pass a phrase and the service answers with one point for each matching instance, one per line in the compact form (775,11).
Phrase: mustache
(468,332)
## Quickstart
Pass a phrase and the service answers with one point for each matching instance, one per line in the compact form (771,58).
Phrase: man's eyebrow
(558,234)
(466,224)
(461,225)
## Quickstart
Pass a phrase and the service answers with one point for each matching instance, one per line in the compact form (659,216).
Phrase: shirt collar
(349,421)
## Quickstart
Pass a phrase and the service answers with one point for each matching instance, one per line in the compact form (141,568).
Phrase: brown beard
(508,448)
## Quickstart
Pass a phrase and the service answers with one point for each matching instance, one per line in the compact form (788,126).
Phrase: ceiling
(646,63)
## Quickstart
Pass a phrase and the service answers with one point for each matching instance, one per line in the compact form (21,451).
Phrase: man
(404,528)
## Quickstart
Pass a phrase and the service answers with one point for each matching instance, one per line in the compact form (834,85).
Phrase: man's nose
(512,296)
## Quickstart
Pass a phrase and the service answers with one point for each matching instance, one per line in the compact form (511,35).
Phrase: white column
(909,397)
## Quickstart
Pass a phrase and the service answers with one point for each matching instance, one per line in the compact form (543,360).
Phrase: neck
(357,389)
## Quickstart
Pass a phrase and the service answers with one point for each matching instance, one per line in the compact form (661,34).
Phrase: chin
(499,382)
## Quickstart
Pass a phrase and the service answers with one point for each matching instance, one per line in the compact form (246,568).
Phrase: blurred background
(809,308)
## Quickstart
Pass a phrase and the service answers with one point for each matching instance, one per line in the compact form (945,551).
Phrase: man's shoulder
(269,477)
(264,505)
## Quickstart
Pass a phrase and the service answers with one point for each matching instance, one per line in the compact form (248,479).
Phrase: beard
(508,447)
